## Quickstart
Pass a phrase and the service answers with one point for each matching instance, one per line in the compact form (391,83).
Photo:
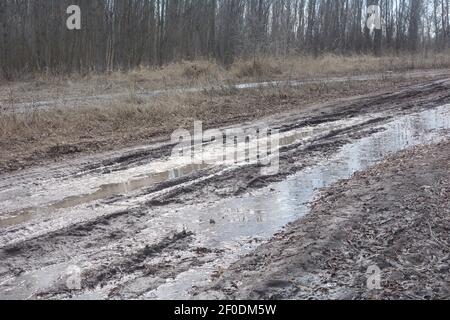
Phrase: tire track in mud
(123,232)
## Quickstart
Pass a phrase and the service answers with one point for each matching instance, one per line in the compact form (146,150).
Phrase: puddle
(32,282)
(239,221)
(52,198)
(104,192)
(88,190)
(236,226)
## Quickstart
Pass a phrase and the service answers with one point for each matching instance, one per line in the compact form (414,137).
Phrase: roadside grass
(29,137)
(208,73)
(300,67)
(133,119)
(363,64)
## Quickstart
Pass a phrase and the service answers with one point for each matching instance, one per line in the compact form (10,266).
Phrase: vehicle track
(131,243)
(74,101)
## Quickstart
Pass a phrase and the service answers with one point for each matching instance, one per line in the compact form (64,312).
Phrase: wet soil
(22,150)
(140,225)
(394,216)
(36,95)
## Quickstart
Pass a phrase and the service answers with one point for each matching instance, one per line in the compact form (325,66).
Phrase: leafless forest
(225,150)
(122,34)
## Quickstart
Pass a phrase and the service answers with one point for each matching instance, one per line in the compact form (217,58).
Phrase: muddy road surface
(382,234)
(143,224)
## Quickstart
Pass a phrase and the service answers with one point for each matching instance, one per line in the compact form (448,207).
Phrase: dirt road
(393,218)
(139,223)
(84,126)
(72,101)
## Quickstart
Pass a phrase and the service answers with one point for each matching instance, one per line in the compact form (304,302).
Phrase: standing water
(233,227)
(259,215)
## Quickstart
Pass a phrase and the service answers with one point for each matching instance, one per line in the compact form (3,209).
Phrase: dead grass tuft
(335,65)
(40,134)
(257,69)
(206,73)
(195,71)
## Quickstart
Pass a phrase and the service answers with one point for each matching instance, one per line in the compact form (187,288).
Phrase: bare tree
(123,34)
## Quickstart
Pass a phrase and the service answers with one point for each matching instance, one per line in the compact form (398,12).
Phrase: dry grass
(39,135)
(257,69)
(201,73)
(45,87)
(126,115)
(133,119)
(300,67)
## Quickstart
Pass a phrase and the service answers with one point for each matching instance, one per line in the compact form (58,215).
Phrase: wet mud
(140,225)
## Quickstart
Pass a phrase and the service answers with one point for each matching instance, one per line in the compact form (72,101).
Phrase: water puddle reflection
(239,221)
